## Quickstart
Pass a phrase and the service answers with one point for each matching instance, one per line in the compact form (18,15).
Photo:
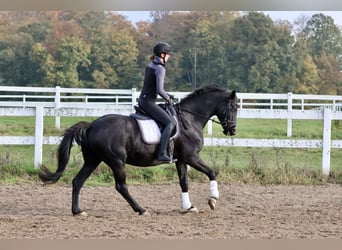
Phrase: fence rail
(57,102)
(28,96)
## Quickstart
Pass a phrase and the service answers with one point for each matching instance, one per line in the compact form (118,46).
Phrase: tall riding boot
(164,142)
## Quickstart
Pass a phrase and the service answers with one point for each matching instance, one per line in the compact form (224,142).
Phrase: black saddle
(140,114)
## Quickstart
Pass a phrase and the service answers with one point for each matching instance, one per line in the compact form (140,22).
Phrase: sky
(136,16)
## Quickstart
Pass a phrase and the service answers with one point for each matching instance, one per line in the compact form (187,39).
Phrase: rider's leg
(164,142)
(158,114)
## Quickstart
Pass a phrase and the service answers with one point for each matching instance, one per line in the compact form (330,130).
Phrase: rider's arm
(160,75)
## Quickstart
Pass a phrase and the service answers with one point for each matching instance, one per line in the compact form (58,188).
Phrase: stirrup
(166,159)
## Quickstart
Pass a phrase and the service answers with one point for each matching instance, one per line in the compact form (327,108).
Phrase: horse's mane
(204,90)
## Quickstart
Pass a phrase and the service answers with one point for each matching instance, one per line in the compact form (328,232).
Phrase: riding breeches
(156,112)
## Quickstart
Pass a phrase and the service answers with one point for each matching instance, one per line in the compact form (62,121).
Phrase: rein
(196,114)
(179,109)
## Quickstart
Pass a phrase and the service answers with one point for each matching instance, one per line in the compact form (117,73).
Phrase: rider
(153,86)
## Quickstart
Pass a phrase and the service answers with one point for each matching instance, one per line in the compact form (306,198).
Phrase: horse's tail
(74,133)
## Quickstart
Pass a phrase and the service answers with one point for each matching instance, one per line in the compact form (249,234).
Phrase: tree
(14,59)
(307,78)
(197,39)
(323,36)
(324,41)
(206,54)
(330,75)
(38,58)
(247,52)
(63,71)
(260,55)
(170,27)
(123,60)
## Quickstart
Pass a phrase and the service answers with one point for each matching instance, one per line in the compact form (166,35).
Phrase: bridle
(228,115)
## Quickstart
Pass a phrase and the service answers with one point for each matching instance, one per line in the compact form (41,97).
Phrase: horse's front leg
(182,170)
(197,163)
(214,194)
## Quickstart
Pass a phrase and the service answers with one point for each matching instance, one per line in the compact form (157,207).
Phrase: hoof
(82,214)
(212,203)
(193,210)
(190,210)
(145,213)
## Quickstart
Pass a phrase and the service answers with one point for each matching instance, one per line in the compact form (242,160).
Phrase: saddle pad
(149,130)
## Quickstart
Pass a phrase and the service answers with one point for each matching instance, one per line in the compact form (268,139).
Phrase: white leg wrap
(214,190)
(186,201)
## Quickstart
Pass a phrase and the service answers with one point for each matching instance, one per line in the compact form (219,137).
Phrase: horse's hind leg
(120,185)
(77,184)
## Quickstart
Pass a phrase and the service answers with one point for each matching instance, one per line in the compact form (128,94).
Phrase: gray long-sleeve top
(154,81)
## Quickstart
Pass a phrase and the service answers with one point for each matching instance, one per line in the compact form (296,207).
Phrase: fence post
(210,127)
(326,147)
(38,138)
(24,101)
(289,109)
(134,97)
(57,106)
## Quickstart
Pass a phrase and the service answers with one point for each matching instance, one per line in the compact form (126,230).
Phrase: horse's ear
(233,94)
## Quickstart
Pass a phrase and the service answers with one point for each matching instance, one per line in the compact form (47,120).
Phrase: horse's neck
(198,112)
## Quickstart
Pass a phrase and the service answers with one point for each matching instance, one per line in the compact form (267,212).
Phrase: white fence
(57,102)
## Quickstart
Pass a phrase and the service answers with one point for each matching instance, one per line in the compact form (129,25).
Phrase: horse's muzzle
(229,130)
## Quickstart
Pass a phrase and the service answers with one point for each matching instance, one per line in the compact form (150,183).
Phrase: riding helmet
(162,47)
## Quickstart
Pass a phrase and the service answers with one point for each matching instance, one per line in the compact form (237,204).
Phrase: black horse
(116,140)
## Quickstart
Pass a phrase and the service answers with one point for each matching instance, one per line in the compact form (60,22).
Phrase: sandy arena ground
(243,212)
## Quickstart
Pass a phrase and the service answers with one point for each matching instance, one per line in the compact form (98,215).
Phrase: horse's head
(227,113)
(211,100)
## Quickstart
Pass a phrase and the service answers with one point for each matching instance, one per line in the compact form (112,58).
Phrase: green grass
(277,129)
(234,164)
(246,128)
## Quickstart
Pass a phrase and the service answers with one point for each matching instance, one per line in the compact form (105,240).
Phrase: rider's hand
(172,99)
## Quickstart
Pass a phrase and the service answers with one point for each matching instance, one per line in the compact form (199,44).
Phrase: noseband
(228,116)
